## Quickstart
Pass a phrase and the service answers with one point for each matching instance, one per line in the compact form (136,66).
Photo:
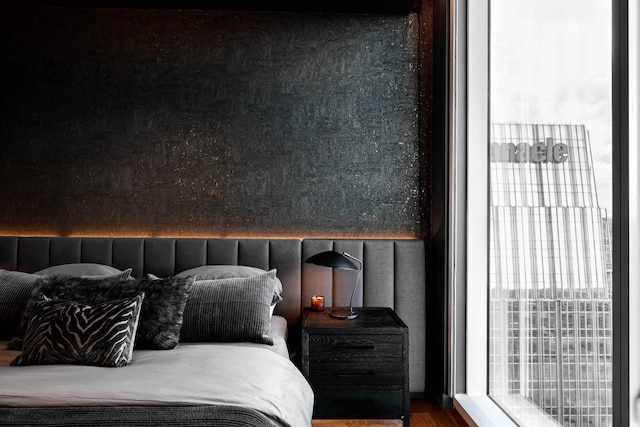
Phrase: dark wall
(209,123)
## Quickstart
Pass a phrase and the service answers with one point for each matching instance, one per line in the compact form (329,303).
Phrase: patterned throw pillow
(18,290)
(70,332)
(235,309)
(162,311)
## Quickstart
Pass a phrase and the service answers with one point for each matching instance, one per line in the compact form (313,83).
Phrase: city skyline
(549,277)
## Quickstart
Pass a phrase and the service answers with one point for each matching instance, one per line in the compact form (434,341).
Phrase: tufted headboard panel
(162,257)
(393,271)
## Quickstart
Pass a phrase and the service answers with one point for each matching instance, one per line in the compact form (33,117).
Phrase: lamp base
(343,314)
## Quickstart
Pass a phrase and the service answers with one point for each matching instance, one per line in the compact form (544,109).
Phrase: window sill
(481,411)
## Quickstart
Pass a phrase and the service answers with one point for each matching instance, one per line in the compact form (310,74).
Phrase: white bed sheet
(238,374)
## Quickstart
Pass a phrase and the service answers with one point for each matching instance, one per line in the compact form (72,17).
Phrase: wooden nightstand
(357,368)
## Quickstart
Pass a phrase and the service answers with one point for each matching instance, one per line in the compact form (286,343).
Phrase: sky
(551,64)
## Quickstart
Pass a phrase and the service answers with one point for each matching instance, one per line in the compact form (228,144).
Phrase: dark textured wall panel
(213,123)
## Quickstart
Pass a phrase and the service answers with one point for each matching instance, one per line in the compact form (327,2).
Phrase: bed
(235,380)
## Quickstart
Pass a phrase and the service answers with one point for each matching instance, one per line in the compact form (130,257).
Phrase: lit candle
(317,303)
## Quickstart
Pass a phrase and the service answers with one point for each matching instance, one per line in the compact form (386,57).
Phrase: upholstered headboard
(393,271)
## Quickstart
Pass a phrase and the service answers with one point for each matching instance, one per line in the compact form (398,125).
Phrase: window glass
(550,348)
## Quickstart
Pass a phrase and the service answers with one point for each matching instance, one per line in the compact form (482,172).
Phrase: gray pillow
(162,310)
(210,272)
(67,332)
(15,290)
(82,269)
(236,309)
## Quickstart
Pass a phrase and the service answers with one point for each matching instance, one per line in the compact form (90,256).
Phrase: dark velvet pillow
(67,332)
(162,310)
(227,310)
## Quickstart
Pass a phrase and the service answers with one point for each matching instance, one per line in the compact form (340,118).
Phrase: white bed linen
(239,374)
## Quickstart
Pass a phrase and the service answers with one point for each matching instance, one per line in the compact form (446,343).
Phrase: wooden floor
(427,414)
(423,413)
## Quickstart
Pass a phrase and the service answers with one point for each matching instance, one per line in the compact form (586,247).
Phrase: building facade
(550,277)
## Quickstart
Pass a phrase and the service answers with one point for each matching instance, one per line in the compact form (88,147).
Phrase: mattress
(193,375)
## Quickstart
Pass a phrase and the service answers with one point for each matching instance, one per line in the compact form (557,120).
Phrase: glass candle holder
(317,303)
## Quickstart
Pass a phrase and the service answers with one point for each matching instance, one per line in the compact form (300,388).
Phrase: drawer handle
(355,373)
(353,402)
(353,347)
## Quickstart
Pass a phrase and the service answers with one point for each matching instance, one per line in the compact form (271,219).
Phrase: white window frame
(469,133)
(469,223)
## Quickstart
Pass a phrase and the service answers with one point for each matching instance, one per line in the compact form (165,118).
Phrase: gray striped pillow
(226,271)
(66,332)
(230,310)
(15,290)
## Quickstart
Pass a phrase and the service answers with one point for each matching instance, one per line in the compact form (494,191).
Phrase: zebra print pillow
(66,332)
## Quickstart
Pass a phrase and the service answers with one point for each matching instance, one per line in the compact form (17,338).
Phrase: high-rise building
(550,277)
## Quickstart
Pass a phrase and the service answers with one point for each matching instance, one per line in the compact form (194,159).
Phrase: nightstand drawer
(364,373)
(358,404)
(355,348)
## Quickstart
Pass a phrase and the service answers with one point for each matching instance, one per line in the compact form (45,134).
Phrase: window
(543,152)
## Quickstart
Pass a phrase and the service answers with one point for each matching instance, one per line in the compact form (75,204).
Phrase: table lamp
(341,261)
